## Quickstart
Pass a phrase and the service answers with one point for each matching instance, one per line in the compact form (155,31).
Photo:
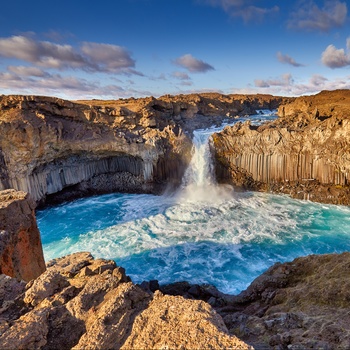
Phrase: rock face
(57,149)
(305,153)
(84,303)
(21,253)
(303,304)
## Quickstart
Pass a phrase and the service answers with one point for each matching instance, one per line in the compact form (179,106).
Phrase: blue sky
(113,49)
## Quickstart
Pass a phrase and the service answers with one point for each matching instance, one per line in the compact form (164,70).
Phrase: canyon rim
(58,150)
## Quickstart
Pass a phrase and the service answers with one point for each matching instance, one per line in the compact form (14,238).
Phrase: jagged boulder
(80,303)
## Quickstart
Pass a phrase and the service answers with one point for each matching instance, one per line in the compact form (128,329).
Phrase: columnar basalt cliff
(304,153)
(21,253)
(50,146)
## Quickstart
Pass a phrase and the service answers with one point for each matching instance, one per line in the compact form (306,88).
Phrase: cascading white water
(200,170)
(199,183)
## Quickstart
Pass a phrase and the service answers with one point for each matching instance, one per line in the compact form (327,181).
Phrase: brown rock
(304,303)
(57,150)
(21,253)
(45,286)
(68,308)
(176,323)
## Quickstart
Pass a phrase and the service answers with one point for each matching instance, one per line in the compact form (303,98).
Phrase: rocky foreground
(85,303)
(304,153)
(82,303)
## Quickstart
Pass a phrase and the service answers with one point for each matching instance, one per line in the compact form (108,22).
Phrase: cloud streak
(181,75)
(63,86)
(286,85)
(284,80)
(310,16)
(92,57)
(247,10)
(193,64)
(288,60)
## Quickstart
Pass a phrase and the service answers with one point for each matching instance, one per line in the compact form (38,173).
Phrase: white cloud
(181,75)
(251,13)
(106,57)
(318,80)
(26,71)
(63,86)
(193,64)
(284,80)
(42,53)
(288,60)
(245,9)
(311,17)
(93,57)
(335,58)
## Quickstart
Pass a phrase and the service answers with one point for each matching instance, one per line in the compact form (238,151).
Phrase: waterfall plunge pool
(204,233)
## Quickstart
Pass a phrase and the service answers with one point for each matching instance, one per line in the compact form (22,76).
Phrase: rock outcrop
(57,149)
(82,303)
(304,153)
(303,304)
(21,253)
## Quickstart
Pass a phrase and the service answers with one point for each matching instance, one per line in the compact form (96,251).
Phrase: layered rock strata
(21,253)
(304,153)
(52,147)
(83,303)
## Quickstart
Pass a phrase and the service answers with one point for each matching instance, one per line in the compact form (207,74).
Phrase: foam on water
(203,234)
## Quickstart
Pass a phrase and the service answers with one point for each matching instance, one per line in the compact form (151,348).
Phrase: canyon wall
(56,149)
(48,145)
(21,254)
(304,153)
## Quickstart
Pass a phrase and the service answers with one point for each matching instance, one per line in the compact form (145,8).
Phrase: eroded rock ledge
(297,305)
(304,153)
(82,303)
(56,149)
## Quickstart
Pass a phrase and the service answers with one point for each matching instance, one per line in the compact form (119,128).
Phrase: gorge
(58,150)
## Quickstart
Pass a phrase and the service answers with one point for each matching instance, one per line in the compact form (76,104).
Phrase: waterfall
(199,183)
(200,171)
